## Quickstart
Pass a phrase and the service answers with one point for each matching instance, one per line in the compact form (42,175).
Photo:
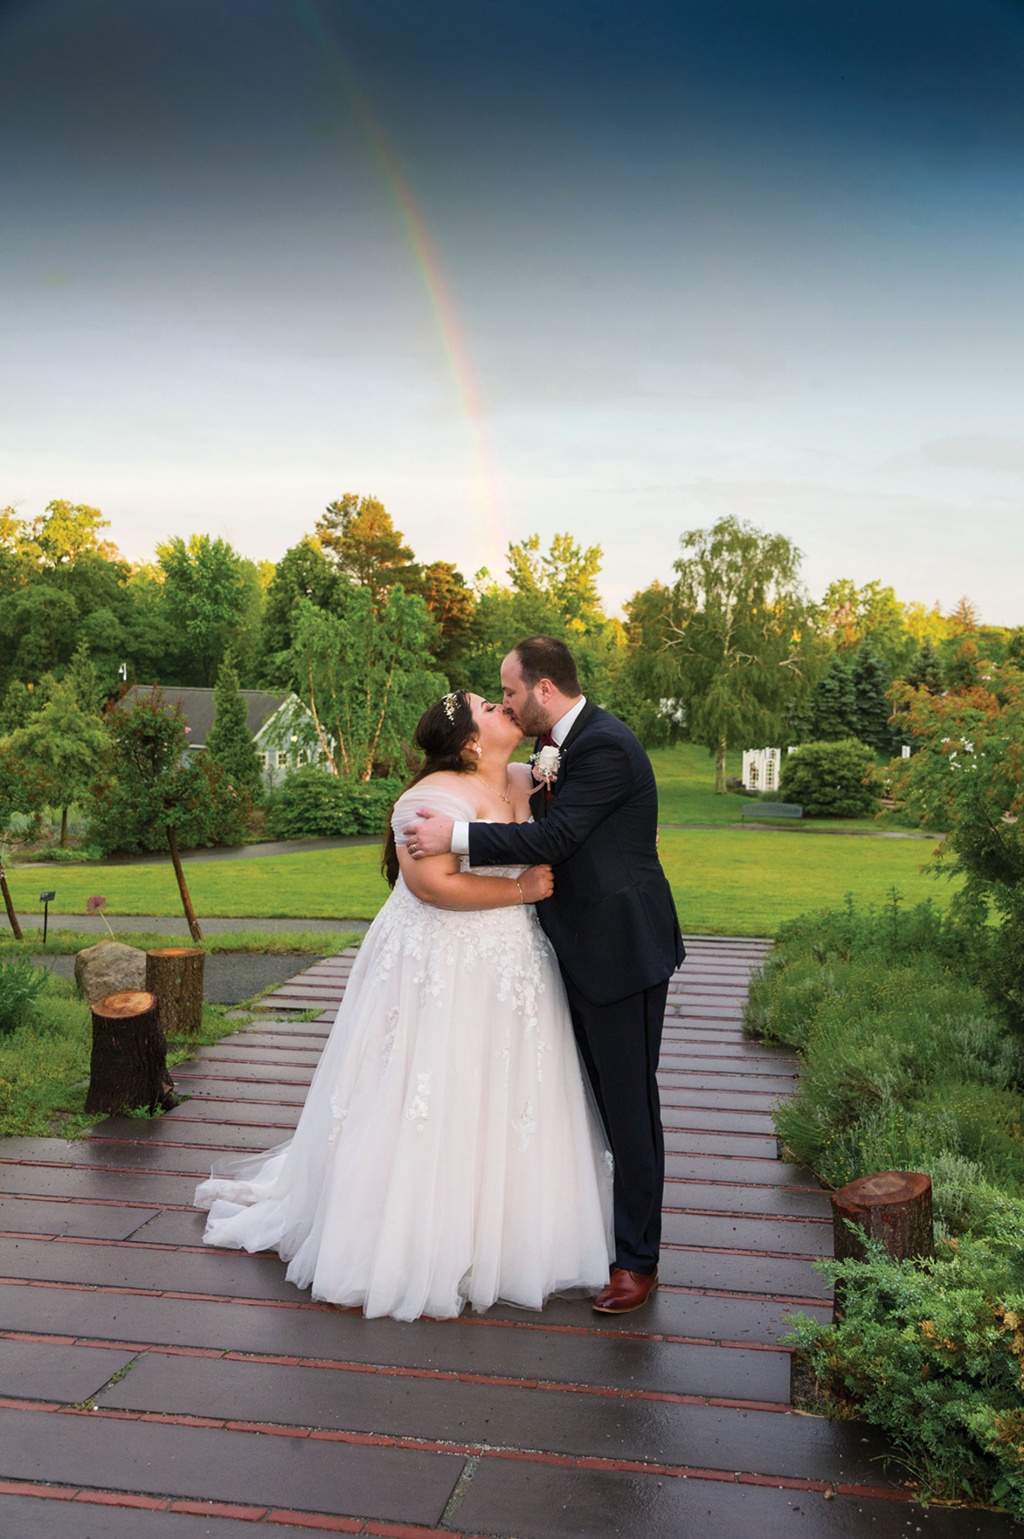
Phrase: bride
(447,1151)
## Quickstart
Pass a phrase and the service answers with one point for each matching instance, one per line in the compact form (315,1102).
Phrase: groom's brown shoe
(625,1291)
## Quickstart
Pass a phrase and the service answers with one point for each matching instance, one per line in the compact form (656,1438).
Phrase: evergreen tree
(925,671)
(833,713)
(230,742)
(870,684)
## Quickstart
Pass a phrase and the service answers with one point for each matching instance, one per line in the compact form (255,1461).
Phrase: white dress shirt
(560,731)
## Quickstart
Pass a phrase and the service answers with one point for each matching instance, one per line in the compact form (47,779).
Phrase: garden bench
(772,810)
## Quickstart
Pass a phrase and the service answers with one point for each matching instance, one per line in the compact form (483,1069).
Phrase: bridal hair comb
(449,704)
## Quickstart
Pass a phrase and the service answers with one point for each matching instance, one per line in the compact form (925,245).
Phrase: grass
(44,1065)
(726,880)
(729,883)
(63,943)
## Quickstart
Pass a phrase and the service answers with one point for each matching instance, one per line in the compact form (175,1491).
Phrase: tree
(451,604)
(851,617)
(38,627)
(552,593)
(14,797)
(741,641)
(1015,647)
(366,677)
(833,711)
(967,776)
(566,574)
(58,537)
(205,598)
(642,692)
(964,618)
(964,667)
(357,532)
(304,572)
(925,671)
(154,783)
(64,744)
(870,683)
(230,742)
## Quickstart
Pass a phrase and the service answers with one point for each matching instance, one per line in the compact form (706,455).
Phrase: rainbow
(428,261)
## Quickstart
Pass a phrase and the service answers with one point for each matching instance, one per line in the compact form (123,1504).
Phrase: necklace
(487,783)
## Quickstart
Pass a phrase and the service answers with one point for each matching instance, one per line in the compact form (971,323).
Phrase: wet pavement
(157,1389)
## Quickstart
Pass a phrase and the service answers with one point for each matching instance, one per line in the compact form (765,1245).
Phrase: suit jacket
(611,918)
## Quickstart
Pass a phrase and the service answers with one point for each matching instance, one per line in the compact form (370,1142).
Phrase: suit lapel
(587,714)
(540,803)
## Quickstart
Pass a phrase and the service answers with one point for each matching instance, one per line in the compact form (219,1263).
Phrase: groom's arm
(600,783)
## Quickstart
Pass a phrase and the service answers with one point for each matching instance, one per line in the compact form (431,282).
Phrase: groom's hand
(431,835)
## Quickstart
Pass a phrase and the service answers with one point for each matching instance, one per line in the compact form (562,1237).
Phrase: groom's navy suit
(613,925)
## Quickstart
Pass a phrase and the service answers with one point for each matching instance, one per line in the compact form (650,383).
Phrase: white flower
(546,761)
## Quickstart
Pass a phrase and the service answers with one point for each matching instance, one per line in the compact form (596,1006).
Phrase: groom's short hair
(543,657)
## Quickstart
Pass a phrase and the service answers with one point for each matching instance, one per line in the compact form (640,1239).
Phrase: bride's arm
(439,881)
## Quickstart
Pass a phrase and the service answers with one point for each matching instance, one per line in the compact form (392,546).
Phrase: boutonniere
(545,763)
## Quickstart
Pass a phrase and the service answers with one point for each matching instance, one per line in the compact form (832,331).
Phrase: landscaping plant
(836,780)
(907,1066)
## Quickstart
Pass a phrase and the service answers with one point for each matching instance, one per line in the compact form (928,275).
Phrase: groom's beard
(533,718)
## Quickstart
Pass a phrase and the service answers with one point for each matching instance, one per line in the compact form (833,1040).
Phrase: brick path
(159,1390)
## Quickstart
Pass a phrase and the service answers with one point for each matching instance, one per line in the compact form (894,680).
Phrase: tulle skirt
(448,1150)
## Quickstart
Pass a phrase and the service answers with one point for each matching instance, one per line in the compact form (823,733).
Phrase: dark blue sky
(699,258)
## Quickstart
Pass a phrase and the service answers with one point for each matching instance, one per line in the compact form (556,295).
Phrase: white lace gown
(448,1150)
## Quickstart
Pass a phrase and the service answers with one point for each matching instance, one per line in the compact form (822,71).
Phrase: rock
(109,968)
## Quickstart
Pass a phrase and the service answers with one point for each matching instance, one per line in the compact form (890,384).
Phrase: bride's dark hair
(443,733)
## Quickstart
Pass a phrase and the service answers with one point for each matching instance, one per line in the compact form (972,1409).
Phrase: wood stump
(175,975)
(894,1207)
(129,1055)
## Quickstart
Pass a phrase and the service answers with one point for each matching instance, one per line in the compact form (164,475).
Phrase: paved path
(155,1389)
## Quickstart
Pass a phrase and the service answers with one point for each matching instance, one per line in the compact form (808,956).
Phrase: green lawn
(726,881)
(746,882)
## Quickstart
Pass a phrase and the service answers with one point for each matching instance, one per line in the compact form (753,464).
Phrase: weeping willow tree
(740,649)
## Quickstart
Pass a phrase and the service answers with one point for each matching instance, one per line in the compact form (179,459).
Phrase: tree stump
(129,1055)
(175,975)
(894,1207)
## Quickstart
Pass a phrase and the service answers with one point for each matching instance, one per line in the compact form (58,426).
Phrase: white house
(282,728)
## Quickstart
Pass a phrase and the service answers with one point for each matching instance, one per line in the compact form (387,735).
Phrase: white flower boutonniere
(545,763)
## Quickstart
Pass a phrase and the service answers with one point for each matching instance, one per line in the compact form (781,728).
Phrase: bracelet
(521,898)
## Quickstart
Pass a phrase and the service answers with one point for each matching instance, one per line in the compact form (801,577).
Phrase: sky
(620,270)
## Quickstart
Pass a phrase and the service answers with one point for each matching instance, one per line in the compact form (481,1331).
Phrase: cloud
(971,451)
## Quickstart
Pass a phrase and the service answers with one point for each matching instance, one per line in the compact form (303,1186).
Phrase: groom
(611,921)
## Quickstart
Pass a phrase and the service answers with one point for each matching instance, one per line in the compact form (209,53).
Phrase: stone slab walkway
(158,1389)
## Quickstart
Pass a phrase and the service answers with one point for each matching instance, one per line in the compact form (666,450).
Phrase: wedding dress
(448,1150)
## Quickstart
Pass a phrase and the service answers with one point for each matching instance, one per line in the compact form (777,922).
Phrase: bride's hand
(537,883)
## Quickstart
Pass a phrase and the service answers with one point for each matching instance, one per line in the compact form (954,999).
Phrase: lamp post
(46,898)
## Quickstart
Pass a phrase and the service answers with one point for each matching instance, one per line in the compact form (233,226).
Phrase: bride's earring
(478,750)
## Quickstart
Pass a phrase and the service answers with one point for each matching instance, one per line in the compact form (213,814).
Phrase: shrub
(313,804)
(20,986)
(907,1067)
(903,1057)
(933,1352)
(836,780)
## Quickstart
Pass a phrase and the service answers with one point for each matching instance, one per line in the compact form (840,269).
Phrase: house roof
(197,706)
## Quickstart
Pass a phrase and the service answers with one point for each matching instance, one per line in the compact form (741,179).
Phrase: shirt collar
(563,726)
